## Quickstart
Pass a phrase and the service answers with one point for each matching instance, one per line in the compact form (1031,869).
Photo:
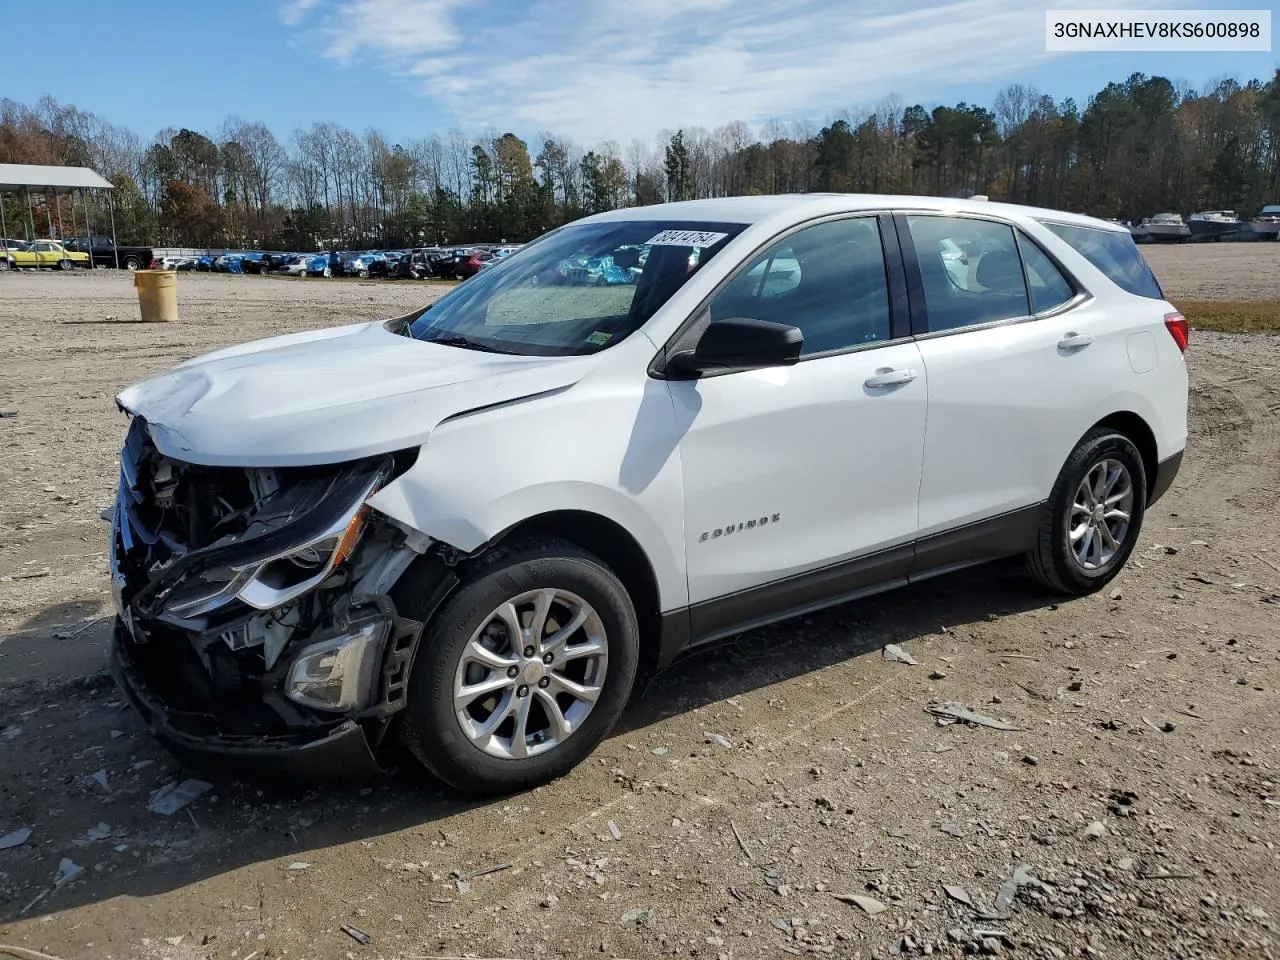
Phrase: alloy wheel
(531,674)
(1100,513)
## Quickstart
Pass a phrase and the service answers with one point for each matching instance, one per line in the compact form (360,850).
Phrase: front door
(790,470)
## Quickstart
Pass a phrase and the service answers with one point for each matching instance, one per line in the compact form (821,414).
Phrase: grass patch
(1232,316)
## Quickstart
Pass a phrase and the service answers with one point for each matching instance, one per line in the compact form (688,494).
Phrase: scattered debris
(870,906)
(937,675)
(71,634)
(15,839)
(741,843)
(636,915)
(549,901)
(173,796)
(1022,877)
(1095,830)
(613,830)
(299,865)
(720,740)
(959,894)
(100,778)
(10,733)
(484,871)
(1122,803)
(6,414)
(895,654)
(463,886)
(68,870)
(953,712)
(953,829)
(659,751)
(356,934)
(100,832)
(32,575)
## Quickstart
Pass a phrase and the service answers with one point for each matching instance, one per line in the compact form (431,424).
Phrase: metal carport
(23,178)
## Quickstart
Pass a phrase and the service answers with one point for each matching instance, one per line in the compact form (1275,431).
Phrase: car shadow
(70,732)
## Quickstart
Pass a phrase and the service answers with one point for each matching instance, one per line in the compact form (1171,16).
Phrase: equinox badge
(736,527)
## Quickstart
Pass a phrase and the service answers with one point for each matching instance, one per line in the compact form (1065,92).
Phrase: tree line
(1139,146)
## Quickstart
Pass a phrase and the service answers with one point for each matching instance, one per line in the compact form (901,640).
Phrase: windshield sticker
(599,338)
(687,238)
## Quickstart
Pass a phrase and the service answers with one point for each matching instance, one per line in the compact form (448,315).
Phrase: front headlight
(267,582)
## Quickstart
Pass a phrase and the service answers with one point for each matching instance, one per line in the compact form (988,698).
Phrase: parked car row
(88,251)
(418,263)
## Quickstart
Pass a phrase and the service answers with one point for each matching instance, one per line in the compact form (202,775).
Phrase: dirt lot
(747,792)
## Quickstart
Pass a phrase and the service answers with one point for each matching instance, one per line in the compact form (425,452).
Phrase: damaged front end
(253,617)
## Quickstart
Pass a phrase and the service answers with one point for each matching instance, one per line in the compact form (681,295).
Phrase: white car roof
(805,206)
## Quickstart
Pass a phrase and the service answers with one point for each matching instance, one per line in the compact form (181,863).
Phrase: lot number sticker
(686,238)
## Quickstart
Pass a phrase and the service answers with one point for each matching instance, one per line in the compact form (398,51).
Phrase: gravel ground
(750,796)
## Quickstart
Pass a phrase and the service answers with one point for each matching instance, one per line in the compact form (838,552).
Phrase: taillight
(1177,326)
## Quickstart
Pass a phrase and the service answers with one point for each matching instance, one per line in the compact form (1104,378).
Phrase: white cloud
(293,11)
(618,69)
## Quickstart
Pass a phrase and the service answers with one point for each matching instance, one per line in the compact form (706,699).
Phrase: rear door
(1015,354)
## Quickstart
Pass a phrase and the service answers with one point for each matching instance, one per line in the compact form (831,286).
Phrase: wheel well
(625,557)
(1136,429)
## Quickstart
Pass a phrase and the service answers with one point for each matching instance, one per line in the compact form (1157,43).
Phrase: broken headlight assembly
(267,582)
(288,541)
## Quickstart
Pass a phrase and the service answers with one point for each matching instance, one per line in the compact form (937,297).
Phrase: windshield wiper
(457,340)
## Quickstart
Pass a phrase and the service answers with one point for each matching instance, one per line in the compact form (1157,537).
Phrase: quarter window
(1049,288)
(970,269)
(1115,254)
(828,280)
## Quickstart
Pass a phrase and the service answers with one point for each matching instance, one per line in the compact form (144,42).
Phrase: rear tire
(571,608)
(131,263)
(1093,517)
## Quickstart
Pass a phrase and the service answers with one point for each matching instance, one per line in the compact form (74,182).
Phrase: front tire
(524,671)
(1093,517)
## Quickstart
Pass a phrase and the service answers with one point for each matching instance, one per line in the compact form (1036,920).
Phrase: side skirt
(689,628)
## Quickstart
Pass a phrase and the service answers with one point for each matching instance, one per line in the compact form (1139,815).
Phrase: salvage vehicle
(293,265)
(473,530)
(106,253)
(322,265)
(45,253)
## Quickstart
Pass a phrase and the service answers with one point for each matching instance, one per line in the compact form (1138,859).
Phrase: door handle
(1074,341)
(889,378)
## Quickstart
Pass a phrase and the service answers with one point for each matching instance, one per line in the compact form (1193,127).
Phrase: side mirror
(738,343)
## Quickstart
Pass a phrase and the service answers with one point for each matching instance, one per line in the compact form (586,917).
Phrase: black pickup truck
(103,252)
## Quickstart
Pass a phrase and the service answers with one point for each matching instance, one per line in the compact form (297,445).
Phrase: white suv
(469,530)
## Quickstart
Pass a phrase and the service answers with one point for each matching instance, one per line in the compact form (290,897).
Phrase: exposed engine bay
(254,602)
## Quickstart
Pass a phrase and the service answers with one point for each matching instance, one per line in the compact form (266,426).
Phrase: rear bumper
(1166,471)
(338,752)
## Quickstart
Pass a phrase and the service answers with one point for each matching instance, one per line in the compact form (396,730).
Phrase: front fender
(609,449)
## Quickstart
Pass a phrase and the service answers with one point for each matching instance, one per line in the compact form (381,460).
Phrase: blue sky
(590,70)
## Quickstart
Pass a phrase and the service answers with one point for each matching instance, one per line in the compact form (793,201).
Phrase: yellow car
(45,253)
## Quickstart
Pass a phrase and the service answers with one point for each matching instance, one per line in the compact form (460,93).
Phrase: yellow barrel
(157,295)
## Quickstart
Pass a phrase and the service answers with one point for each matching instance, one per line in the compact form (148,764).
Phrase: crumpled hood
(329,395)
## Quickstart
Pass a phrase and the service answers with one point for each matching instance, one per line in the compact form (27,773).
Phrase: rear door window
(1049,288)
(1115,254)
(970,270)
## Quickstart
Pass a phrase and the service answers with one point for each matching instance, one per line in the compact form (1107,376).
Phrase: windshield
(575,291)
